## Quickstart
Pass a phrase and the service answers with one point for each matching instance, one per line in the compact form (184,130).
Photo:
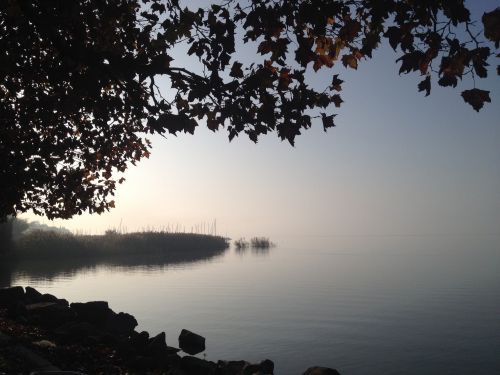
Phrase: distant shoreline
(44,244)
(49,254)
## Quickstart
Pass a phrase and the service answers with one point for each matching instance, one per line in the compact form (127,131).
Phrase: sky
(397,163)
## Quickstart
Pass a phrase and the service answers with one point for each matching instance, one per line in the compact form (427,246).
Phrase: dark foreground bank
(40,332)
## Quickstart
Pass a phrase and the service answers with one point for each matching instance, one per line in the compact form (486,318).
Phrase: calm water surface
(363,305)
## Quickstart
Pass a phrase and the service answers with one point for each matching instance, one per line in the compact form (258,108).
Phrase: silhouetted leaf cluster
(79,91)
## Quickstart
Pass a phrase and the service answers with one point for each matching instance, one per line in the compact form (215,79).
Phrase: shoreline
(40,332)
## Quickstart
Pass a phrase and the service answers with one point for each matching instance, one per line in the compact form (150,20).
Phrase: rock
(48,298)
(76,331)
(45,344)
(121,323)
(139,341)
(95,312)
(157,345)
(196,366)
(16,310)
(191,342)
(252,370)
(141,363)
(56,372)
(231,367)
(63,302)
(49,314)
(10,296)
(320,371)
(267,366)
(33,295)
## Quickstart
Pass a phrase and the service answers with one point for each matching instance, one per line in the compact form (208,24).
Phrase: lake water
(362,305)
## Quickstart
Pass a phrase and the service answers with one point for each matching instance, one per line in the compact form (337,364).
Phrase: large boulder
(17,311)
(252,369)
(139,341)
(49,314)
(157,345)
(321,371)
(11,296)
(191,342)
(121,324)
(76,331)
(95,312)
(51,298)
(196,366)
(231,367)
(267,367)
(33,295)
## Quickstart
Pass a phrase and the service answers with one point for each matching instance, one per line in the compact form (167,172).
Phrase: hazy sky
(397,163)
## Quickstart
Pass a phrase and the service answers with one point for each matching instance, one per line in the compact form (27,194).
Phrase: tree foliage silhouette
(79,87)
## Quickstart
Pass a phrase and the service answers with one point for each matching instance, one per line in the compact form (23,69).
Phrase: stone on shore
(95,312)
(157,345)
(196,366)
(76,331)
(321,371)
(121,324)
(49,314)
(10,296)
(139,341)
(191,342)
(231,367)
(33,295)
(267,366)
(92,327)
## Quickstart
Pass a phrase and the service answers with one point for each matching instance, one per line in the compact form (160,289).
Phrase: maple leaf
(336,83)
(327,121)
(425,85)
(491,22)
(350,61)
(236,71)
(476,98)
(393,33)
(337,100)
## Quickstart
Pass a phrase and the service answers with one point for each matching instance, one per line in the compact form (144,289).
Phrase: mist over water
(361,304)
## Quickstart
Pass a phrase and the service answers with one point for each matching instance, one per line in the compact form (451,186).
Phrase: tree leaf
(425,85)
(350,61)
(476,98)
(491,22)
(336,83)
(327,121)
(236,71)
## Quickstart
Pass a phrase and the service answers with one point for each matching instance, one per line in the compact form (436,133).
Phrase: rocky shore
(43,334)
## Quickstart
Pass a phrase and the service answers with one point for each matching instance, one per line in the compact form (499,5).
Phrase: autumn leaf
(327,121)
(425,85)
(236,71)
(491,22)
(411,61)
(476,98)
(284,80)
(393,33)
(337,100)
(350,61)
(336,83)
(264,47)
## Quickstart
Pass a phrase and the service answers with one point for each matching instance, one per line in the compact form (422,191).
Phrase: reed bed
(49,244)
(261,243)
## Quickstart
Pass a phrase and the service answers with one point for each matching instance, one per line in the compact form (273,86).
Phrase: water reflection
(50,269)
(256,251)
